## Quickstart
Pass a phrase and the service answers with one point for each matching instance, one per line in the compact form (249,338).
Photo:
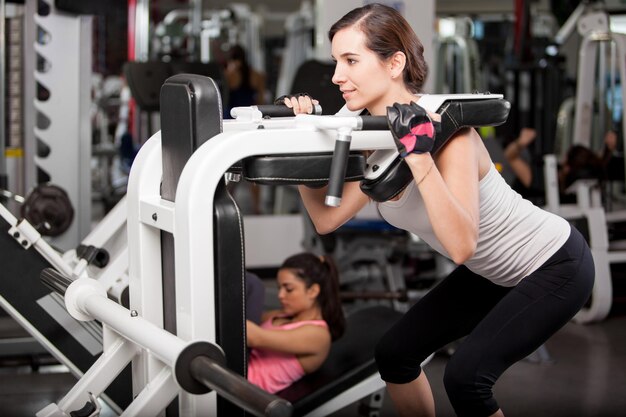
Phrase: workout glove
(411,127)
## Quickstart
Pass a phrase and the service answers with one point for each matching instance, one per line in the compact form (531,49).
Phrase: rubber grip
(279,110)
(337,174)
(374,123)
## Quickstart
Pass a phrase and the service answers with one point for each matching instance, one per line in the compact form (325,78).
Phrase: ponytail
(330,303)
(322,271)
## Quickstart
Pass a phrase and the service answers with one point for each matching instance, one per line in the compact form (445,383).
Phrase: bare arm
(512,154)
(450,193)
(271,313)
(325,218)
(308,339)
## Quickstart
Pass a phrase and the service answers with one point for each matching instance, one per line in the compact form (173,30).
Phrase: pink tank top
(275,371)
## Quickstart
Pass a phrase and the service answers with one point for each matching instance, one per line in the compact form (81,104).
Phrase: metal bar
(238,390)
(56,281)
(142,29)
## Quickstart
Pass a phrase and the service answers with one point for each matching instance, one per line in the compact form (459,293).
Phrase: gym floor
(583,376)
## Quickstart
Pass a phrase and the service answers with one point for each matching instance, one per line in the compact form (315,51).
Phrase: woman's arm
(270,313)
(326,219)
(450,192)
(512,154)
(303,340)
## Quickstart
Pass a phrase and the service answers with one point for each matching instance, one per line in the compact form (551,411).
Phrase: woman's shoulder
(313,325)
(461,146)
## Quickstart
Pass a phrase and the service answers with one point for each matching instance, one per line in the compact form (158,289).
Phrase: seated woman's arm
(304,340)
(270,313)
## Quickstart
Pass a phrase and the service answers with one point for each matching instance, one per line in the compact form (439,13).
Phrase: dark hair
(238,53)
(322,271)
(388,32)
(583,163)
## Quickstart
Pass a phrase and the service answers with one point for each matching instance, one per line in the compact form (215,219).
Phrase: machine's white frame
(149,214)
(588,206)
(137,334)
(191,222)
(595,30)
(112,279)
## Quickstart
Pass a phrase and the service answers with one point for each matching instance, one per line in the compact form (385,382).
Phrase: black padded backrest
(351,359)
(315,78)
(208,69)
(230,279)
(191,115)
(308,169)
(145,80)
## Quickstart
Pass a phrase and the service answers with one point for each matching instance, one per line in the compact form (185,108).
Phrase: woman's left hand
(301,103)
(412,128)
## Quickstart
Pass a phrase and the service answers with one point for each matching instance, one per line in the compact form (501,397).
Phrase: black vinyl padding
(191,114)
(309,169)
(315,78)
(230,280)
(454,116)
(145,79)
(97,7)
(351,360)
(314,169)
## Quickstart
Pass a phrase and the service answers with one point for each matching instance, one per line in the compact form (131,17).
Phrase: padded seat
(309,169)
(351,360)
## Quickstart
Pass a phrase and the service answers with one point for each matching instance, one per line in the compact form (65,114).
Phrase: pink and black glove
(411,127)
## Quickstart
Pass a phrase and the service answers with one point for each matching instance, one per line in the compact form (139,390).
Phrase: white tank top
(515,237)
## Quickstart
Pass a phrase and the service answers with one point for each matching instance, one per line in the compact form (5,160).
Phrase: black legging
(503,325)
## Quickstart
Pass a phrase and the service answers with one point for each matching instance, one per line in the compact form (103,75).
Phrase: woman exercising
(295,340)
(522,272)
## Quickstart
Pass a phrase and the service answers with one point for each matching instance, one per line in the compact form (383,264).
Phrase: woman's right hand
(301,103)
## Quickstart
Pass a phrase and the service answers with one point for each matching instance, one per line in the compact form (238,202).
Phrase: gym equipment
(49,209)
(198,367)
(207,260)
(57,90)
(102,254)
(583,121)
(594,27)
(24,254)
(313,75)
(457,57)
(370,252)
(145,80)
(387,174)
(588,207)
(298,47)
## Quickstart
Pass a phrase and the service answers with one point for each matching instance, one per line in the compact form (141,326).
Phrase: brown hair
(388,32)
(322,271)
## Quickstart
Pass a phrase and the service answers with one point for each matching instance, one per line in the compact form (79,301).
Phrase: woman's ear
(313,291)
(397,62)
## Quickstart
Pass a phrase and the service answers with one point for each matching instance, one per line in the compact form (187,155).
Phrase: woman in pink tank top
(295,340)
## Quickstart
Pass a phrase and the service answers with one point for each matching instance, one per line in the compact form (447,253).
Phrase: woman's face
(293,294)
(364,80)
